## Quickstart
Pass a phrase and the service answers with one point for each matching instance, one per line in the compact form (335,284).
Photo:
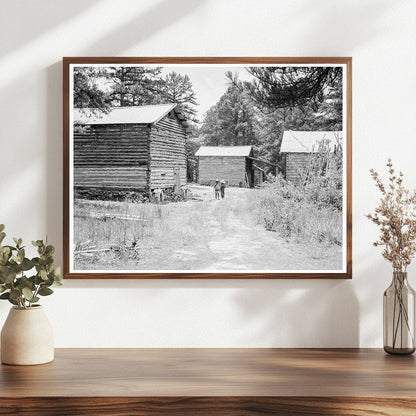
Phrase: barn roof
(224,151)
(307,141)
(145,114)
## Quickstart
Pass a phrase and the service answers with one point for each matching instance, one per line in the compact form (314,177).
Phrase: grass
(200,234)
(299,213)
(156,230)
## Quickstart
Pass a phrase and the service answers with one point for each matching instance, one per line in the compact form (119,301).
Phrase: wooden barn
(298,146)
(130,148)
(234,164)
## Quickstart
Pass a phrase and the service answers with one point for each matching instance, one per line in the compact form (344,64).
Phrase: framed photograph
(207,168)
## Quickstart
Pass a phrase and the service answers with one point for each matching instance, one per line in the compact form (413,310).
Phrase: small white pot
(27,337)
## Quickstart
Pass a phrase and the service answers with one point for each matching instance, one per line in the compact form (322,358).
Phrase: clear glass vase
(399,316)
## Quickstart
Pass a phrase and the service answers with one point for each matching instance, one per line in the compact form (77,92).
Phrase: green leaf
(17,241)
(56,272)
(13,302)
(38,280)
(7,297)
(43,274)
(15,294)
(9,277)
(2,227)
(45,291)
(24,282)
(28,294)
(57,275)
(48,282)
(49,250)
(2,288)
(2,236)
(21,255)
(5,250)
(11,248)
(37,243)
(4,255)
(26,264)
(48,260)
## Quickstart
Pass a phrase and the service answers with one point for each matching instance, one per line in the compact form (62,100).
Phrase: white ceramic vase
(27,337)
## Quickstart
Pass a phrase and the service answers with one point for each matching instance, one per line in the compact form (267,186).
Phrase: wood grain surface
(212,381)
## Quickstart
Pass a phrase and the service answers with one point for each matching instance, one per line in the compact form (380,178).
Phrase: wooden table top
(214,372)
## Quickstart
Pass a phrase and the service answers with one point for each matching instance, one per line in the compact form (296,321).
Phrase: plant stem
(401,314)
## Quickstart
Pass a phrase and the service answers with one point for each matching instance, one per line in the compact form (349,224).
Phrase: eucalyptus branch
(16,284)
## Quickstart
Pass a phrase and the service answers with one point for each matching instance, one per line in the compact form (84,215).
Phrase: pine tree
(135,85)
(231,121)
(104,87)
(283,87)
(177,88)
(88,88)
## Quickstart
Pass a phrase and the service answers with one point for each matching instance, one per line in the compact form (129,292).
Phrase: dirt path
(199,235)
(233,241)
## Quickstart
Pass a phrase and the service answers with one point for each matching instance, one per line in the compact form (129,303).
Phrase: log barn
(234,164)
(298,146)
(138,148)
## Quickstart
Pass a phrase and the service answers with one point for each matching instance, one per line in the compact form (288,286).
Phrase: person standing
(217,188)
(222,188)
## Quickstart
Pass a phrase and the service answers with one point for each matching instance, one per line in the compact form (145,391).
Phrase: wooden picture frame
(93,183)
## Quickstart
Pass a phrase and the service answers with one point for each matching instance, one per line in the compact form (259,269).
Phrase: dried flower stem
(396,217)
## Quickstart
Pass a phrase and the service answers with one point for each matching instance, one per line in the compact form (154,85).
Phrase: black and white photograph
(227,168)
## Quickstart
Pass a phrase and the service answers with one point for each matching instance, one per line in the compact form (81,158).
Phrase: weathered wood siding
(167,153)
(230,168)
(296,165)
(112,156)
(123,178)
(258,177)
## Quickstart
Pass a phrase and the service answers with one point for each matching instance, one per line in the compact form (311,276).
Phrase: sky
(209,82)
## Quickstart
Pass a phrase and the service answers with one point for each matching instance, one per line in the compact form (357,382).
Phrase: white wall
(380,35)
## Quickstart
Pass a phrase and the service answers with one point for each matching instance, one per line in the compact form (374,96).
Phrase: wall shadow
(148,23)
(302,314)
(54,146)
(359,20)
(40,15)
(155,19)
(278,310)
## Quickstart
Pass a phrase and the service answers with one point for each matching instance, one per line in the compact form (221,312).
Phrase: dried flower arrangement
(396,217)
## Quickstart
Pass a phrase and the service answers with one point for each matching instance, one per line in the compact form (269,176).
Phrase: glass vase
(399,316)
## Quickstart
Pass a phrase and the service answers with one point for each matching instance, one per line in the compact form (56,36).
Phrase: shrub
(303,213)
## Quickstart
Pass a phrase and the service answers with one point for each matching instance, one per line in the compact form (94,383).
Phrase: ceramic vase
(27,337)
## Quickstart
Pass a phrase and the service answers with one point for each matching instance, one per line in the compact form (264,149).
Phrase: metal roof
(145,114)
(308,141)
(224,151)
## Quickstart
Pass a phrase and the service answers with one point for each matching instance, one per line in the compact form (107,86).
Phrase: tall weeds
(308,212)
